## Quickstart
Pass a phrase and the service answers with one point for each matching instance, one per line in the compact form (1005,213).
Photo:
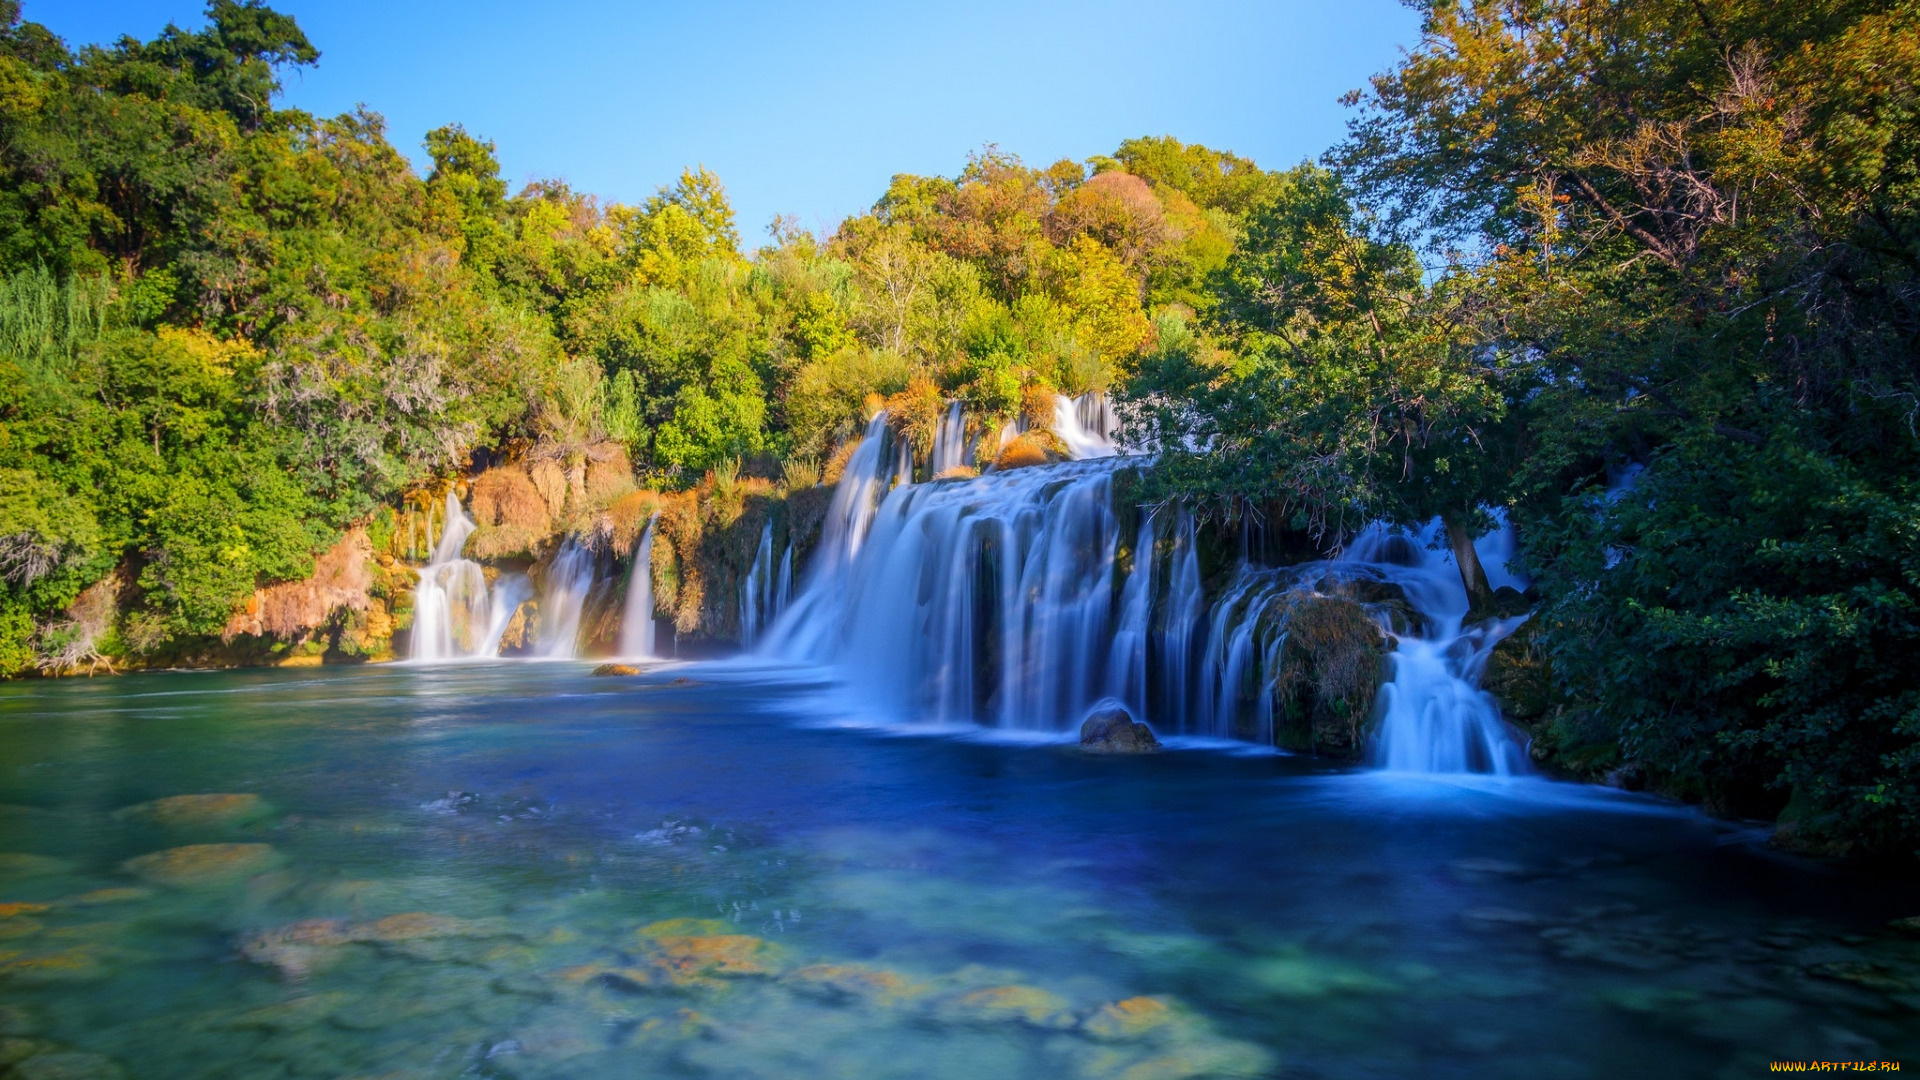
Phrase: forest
(1641,279)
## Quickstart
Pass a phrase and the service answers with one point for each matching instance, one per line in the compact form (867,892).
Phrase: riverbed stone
(851,982)
(692,958)
(1114,731)
(123,895)
(1008,1004)
(180,811)
(20,864)
(203,864)
(616,669)
(63,966)
(1131,1018)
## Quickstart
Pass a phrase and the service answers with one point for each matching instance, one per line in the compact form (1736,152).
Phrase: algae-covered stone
(616,669)
(1004,1004)
(844,982)
(1128,1019)
(203,864)
(20,864)
(66,965)
(177,811)
(111,896)
(695,957)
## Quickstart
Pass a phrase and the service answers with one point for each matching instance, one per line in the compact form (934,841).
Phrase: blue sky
(808,109)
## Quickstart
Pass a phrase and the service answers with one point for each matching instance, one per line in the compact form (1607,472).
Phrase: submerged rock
(1114,731)
(1002,1004)
(843,982)
(17,864)
(183,810)
(616,669)
(1132,1018)
(203,864)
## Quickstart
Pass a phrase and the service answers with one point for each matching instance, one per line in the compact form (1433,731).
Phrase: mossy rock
(1519,674)
(180,811)
(203,864)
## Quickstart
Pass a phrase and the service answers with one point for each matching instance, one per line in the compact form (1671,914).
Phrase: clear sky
(808,108)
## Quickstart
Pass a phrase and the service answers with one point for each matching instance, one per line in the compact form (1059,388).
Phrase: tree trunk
(1472,574)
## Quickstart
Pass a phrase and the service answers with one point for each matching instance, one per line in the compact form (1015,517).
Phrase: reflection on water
(521,871)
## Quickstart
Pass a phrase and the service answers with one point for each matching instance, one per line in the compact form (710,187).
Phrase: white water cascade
(949,442)
(456,616)
(756,589)
(563,595)
(1434,718)
(636,621)
(1018,600)
(1086,424)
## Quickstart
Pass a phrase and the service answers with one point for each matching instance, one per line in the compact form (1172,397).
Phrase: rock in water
(1113,731)
(616,669)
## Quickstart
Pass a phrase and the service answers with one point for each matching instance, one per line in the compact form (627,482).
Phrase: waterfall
(755,588)
(783,589)
(1084,424)
(636,622)
(456,616)
(949,442)
(1434,717)
(563,594)
(1011,601)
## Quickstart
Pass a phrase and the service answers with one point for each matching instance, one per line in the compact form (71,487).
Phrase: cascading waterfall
(636,621)
(949,441)
(563,595)
(456,616)
(1085,424)
(1434,717)
(756,596)
(1018,601)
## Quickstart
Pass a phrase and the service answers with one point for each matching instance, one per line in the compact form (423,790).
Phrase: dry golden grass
(609,474)
(958,472)
(1031,448)
(1037,405)
(837,463)
(799,473)
(627,517)
(550,480)
(507,496)
(914,413)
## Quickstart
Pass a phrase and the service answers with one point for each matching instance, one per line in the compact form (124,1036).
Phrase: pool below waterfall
(519,870)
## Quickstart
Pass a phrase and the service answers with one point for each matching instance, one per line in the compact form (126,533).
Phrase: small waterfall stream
(636,619)
(563,595)
(756,589)
(456,616)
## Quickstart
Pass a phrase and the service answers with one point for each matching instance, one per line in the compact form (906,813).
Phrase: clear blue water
(628,877)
